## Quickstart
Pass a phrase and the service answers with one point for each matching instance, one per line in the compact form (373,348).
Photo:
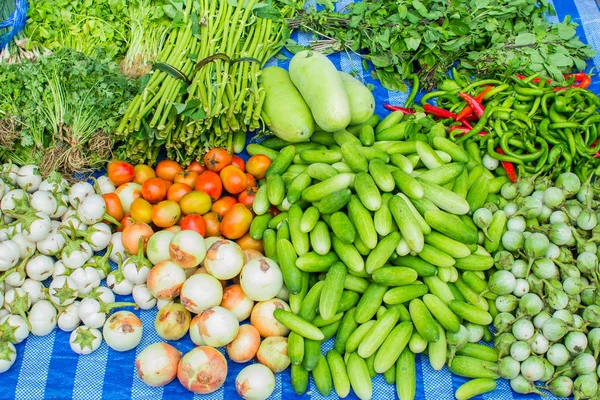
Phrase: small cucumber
(406,375)
(417,343)
(495,231)
(401,162)
(313,262)
(349,300)
(283,230)
(356,284)
(321,171)
(270,244)
(439,288)
(471,367)
(448,245)
(427,155)
(259,226)
(422,267)
(332,291)
(480,351)
(444,174)
(369,303)
(382,252)
(320,240)
(297,299)
(342,228)
(423,320)
(320,190)
(390,375)
(323,138)
(358,335)
(254,149)
(295,348)
(456,152)
(330,330)
(451,226)
(426,229)
(348,254)
(322,376)
(445,199)
(282,162)
(360,379)
(475,262)
(407,184)
(363,222)
(392,347)
(497,183)
(395,276)
(442,313)
(261,202)
(297,186)
(402,294)
(367,191)
(354,158)
(299,379)
(275,189)
(367,135)
(436,257)
(475,387)
(461,184)
(372,122)
(378,333)
(470,313)
(308,308)
(390,120)
(408,225)
(312,353)
(309,219)
(298,324)
(334,201)
(321,156)
(438,350)
(276,220)
(342,137)
(372,153)
(299,239)
(478,193)
(347,327)
(470,295)
(339,373)
(292,276)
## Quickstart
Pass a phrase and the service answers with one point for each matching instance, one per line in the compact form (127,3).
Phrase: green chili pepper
(565,125)
(473,85)
(554,115)
(500,157)
(413,92)
(495,90)
(432,95)
(545,99)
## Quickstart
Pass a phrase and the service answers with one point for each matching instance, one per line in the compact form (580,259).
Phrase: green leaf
(560,60)
(460,28)
(412,43)
(172,71)
(421,9)
(565,32)
(525,39)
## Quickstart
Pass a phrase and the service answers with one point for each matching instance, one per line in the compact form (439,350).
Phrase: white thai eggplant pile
(49,273)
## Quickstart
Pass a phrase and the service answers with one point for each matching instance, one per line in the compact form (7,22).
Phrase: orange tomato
(194,222)
(196,166)
(166,169)
(154,190)
(257,165)
(247,196)
(166,214)
(238,162)
(143,172)
(177,191)
(187,177)
(222,205)
(114,208)
(217,159)
(141,211)
(195,202)
(251,181)
(125,222)
(120,172)
(247,243)
(168,184)
(213,224)
(209,182)
(236,222)
(234,179)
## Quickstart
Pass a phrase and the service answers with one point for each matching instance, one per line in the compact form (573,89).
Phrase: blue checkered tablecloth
(46,368)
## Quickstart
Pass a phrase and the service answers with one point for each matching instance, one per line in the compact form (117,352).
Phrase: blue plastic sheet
(15,22)
(46,368)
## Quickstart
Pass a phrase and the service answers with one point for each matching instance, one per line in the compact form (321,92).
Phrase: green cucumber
(299,239)
(367,191)
(402,294)
(322,376)
(339,373)
(444,174)
(320,190)
(406,375)
(320,240)
(442,313)
(360,379)
(282,162)
(395,276)
(354,158)
(348,254)
(309,219)
(314,262)
(342,228)
(299,379)
(363,222)
(295,348)
(451,226)
(408,225)
(347,326)
(334,201)
(423,320)
(448,245)
(259,225)
(332,291)
(422,267)
(407,184)
(470,313)
(321,171)
(275,189)
(474,388)
(382,252)
(382,218)
(478,192)
(321,156)
(369,303)
(456,152)
(445,199)
(392,347)
(471,367)
(377,335)
(427,155)
(292,276)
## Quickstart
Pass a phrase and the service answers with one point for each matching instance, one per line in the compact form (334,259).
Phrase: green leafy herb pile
(58,112)
(486,37)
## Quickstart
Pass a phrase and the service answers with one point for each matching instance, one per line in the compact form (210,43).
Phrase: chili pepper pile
(524,122)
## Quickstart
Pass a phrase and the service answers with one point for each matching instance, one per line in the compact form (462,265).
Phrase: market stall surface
(47,368)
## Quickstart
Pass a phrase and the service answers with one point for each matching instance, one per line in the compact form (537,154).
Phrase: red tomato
(120,172)
(217,159)
(154,190)
(223,205)
(247,196)
(251,181)
(246,242)
(238,162)
(166,169)
(236,222)
(125,222)
(234,179)
(194,222)
(213,224)
(177,191)
(114,208)
(257,165)
(187,177)
(209,182)
(196,166)
(166,213)
(143,172)
(195,202)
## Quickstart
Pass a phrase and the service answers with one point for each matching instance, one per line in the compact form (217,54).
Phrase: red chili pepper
(398,108)
(466,124)
(475,105)
(582,81)
(470,118)
(438,112)
(534,80)
(508,167)
(468,111)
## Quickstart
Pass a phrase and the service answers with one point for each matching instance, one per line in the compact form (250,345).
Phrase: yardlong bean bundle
(204,86)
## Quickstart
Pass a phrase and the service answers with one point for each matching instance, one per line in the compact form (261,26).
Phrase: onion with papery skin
(131,236)
(250,254)
(261,279)
(165,280)
(218,326)
(201,292)
(255,382)
(244,346)
(273,352)
(187,249)
(224,259)
(157,364)
(203,370)
(195,331)
(122,331)
(263,320)
(172,321)
(236,301)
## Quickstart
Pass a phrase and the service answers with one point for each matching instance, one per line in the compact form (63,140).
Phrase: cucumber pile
(379,247)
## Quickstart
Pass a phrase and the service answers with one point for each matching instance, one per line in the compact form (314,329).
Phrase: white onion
(244,346)
(261,279)
(236,301)
(165,280)
(218,326)
(255,382)
(122,331)
(203,370)
(187,249)
(224,259)
(200,292)
(262,318)
(157,364)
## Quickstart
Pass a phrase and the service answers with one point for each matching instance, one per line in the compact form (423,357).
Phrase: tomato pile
(214,199)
